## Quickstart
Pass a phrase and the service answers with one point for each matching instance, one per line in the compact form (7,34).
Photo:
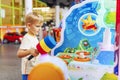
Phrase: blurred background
(12,13)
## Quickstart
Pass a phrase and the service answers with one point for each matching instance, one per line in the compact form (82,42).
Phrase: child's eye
(37,26)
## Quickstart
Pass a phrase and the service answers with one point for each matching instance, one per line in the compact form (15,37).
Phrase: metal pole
(57,15)
(28,6)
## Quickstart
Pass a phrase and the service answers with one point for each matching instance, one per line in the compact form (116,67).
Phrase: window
(7,20)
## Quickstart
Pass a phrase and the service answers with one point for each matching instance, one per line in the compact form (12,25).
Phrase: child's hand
(33,52)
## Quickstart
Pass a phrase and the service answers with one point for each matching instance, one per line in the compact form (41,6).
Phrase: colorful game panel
(88,40)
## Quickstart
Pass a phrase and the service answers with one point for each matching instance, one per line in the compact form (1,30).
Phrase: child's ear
(28,25)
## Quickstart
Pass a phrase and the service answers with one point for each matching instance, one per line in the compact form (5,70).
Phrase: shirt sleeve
(25,44)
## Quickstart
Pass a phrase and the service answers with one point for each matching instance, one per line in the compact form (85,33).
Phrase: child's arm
(25,52)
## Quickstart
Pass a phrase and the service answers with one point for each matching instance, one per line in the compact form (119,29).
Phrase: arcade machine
(88,41)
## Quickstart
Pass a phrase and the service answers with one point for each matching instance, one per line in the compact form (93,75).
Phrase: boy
(33,22)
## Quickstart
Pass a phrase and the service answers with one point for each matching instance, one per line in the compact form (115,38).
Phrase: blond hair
(33,17)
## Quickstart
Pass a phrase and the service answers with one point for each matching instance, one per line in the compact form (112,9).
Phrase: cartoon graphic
(110,13)
(107,38)
(89,23)
(106,47)
(69,50)
(85,59)
(84,45)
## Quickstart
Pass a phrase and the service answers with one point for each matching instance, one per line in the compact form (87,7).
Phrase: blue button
(50,41)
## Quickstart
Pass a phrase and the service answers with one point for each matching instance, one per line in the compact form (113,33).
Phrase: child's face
(34,28)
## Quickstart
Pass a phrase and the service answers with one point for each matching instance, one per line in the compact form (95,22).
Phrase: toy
(45,45)
(49,67)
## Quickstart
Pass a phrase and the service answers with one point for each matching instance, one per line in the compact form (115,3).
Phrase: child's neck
(31,34)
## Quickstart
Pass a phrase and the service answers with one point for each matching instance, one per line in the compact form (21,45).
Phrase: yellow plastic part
(44,46)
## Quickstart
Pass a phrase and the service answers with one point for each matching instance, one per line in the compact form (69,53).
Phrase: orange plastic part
(86,59)
(46,71)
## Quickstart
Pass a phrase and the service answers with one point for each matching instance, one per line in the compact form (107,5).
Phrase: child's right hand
(33,52)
